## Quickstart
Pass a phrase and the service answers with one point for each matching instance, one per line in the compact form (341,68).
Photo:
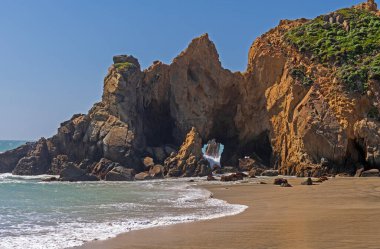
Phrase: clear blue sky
(54,54)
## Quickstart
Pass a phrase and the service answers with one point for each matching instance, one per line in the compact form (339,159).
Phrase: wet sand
(339,213)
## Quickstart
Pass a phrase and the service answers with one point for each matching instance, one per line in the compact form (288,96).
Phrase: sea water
(10,144)
(36,214)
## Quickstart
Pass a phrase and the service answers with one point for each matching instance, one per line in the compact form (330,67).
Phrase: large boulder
(103,167)
(36,162)
(72,173)
(117,143)
(120,174)
(157,171)
(280,181)
(58,163)
(143,176)
(371,173)
(232,177)
(148,162)
(188,161)
(247,164)
(9,159)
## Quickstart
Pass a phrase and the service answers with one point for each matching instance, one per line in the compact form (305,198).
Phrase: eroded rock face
(188,161)
(368,136)
(36,162)
(263,113)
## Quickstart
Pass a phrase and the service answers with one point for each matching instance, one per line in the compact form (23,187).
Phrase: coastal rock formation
(189,160)
(299,108)
(36,161)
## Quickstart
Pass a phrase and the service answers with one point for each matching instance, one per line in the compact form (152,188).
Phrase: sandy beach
(339,213)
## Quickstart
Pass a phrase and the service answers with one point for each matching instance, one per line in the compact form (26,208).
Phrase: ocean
(37,215)
(10,144)
(54,215)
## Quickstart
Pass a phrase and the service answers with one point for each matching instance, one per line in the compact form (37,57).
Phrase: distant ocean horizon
(10,144)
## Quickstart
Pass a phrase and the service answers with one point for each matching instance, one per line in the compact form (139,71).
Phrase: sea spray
(212,152)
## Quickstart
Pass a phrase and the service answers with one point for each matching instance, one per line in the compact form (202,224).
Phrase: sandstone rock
(72,173)
(371,173)
(262,111)
(359,172)
(124,59)
(116,144)
(58,164)
(246,164)
(120,174)
(203,168)
(188,161)
(36,162)
(370,5)
(256,172)
(148,162)
(143,176)
(252,174)
(369,133)
(104,166)
(9,159)
(157,171)
(270,173)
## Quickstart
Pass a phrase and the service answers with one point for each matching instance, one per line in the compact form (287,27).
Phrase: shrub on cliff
(349,39)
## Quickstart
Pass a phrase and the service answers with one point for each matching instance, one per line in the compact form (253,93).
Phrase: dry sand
(340,213)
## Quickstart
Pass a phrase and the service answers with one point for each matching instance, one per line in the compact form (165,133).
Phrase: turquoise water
(35,214)
(10,144)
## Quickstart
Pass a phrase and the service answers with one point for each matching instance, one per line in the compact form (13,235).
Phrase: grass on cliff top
(355,52)
(124,66)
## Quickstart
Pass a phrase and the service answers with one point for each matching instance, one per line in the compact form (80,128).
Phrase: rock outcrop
(288,110)
(189,161)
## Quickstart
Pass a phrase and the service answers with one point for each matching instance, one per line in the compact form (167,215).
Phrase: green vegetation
(125,66)
(299,74)
(352,44)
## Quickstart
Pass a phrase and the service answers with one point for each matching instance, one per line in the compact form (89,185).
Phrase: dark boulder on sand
(307,182)
(233,177)
(279,181)
(371,173)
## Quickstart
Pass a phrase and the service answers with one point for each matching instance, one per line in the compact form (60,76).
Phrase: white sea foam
(68,227)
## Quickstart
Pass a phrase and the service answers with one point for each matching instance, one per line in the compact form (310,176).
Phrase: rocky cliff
(309,101)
